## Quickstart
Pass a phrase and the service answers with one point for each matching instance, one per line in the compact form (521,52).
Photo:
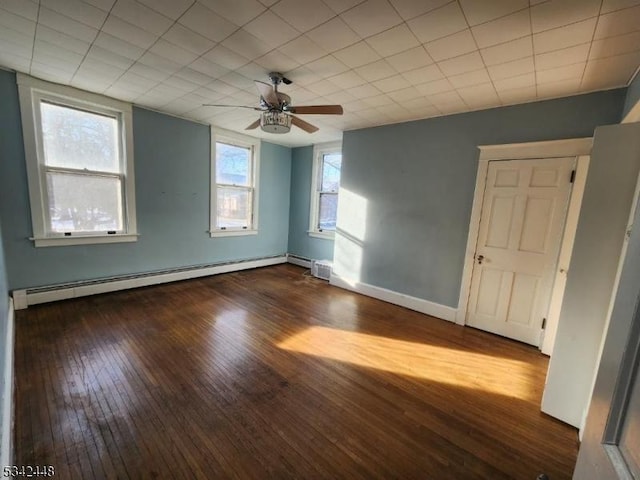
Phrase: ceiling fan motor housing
(274,121)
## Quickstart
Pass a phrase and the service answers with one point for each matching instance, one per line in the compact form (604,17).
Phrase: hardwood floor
(269,373)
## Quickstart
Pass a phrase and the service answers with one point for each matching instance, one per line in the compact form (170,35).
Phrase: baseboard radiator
(33,296)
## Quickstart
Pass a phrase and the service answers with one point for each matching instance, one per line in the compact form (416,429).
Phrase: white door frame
(577,147)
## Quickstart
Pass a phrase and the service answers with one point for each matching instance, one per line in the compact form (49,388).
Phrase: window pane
(233,164)
(328,211)
(234,207)
(331,165)
(78,139)
(84,203)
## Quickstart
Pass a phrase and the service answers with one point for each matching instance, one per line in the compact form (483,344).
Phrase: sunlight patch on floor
(498,375)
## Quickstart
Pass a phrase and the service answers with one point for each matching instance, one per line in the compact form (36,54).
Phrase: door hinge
(573,176)
(544,323)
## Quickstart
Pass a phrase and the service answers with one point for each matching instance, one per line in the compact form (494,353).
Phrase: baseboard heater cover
(33,296)
(298,260)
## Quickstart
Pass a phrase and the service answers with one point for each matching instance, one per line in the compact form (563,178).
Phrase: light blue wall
(300,243)
(415,183)
(633,96)
(172,193)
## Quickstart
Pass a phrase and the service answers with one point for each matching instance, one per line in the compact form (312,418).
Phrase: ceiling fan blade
(267,92)
(255,124)
(317,110)
(307,127)
(230,106)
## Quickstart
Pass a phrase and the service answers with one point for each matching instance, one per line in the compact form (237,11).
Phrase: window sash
(317,192)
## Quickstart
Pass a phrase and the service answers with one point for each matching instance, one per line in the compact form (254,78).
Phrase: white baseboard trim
(300,261)
(413,303)
(6,454)
(53,293)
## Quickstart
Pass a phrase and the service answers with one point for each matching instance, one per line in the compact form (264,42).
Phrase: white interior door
(521,226)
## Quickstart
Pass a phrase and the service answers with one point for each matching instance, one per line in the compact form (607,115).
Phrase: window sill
(83,240)
(232,233)
(324,235)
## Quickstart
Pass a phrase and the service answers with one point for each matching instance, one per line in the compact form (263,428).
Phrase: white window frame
(319,150)
(32,91)
(236,139)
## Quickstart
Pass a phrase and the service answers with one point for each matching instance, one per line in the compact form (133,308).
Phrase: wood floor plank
(270,373)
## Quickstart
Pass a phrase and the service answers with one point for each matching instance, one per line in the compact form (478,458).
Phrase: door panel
(521,226)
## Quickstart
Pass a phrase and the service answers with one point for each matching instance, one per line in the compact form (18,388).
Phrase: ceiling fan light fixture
(274,121)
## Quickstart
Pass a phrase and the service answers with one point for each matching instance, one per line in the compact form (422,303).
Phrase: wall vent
(321,269)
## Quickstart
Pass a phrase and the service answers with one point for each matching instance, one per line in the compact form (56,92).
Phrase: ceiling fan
(277,111)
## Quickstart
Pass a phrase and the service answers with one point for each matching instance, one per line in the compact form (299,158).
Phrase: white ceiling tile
(303,49)
(410,59)
(563,37)
(108,57)
(128,32)
(559,89)
(340,6)
(446,99)
(327,66)
(172,9)
(16,43)
(211,69)
(222,87)
(559,58)
(173,52)
(560,73)
(503,29)
(188,39)
(159,63)
(246,45)
(52,74)
(617,23)
(101,4)
(323,87)
(391,84)
(611,71)
(506,52)
(558,13)
(333,35)
(339,97)
(64,24)
(452,46)
(120,47)
(303,76)
(423,75)
(179,83)
(253,71)
(23,8)
(511,69)
(409,9)
(49,54)
(17,23)
(470,78)
(378,100)
(479,96)
(364,91)
(438,23)
(357,55)
(481,12)
(611,46)
(16,62)
(347,79)
(276,61)
(141,16)
(149,73)
(207,23)
(77,10)
(376,71)
(239,12)
(461,64)
(521,81)
(62,40)
(303,14)
(609,6)
(371,17)
(395,40)
(517,95)
(271,29)
(136,82)
(437,86)
(104,71)
(225,57)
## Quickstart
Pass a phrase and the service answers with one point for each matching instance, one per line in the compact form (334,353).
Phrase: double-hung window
(234,208)
(79,157)
(327,165)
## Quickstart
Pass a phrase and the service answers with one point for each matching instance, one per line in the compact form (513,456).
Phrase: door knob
(480,259)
